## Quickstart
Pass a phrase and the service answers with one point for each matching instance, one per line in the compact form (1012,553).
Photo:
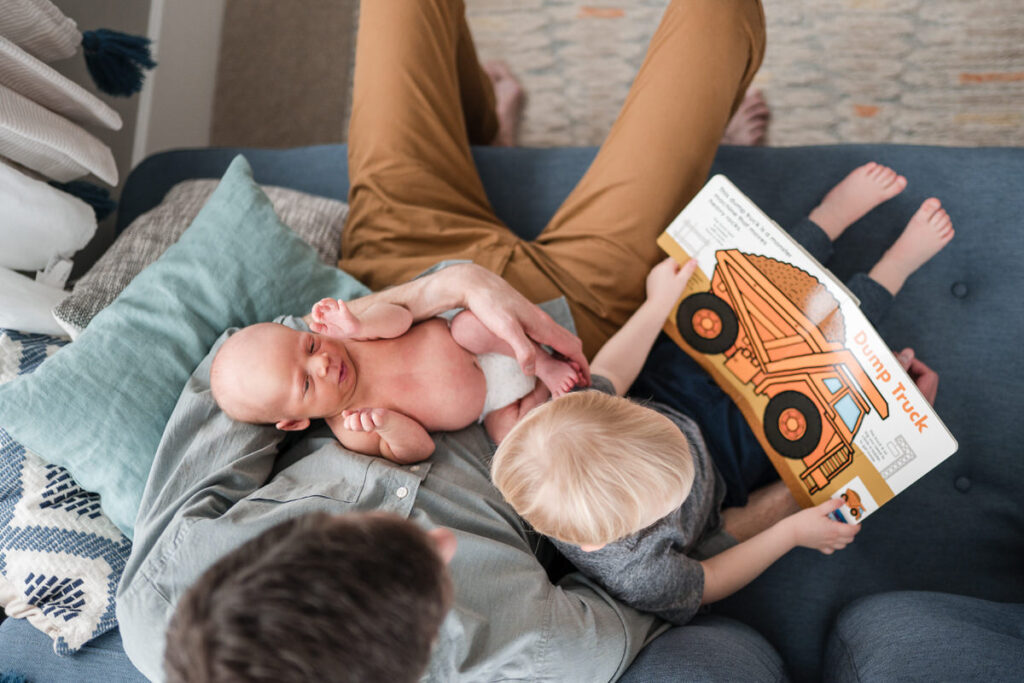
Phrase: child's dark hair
(357,597)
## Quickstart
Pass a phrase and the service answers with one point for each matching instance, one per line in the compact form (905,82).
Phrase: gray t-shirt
(658,569)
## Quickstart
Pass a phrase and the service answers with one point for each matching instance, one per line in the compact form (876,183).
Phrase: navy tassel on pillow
(116,60)
(93,195)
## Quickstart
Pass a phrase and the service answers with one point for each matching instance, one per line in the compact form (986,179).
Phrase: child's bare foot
(509,99)
(332,317)
(749,125)
(865,188)
(929,230)
(557,375)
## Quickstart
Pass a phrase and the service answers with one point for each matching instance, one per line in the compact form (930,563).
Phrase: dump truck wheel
(707,323)
(792,424)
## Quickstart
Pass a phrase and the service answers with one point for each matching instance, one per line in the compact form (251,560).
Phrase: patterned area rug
(944,72)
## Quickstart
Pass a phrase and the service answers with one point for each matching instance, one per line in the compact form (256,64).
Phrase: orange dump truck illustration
(782,332)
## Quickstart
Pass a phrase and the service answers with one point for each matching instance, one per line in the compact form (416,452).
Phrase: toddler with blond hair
(628,492)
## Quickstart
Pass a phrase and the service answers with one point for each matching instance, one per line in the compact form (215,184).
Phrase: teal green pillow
(98,406)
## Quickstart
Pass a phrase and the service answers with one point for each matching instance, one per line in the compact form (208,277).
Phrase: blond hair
(590,468)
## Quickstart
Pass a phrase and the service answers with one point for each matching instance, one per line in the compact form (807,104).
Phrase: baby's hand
(814,529)
(666,281)
(365,419)
(333,318)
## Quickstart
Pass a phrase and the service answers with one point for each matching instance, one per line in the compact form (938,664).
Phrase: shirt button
(401,492)
(414,468)
(959,290)
(962,484)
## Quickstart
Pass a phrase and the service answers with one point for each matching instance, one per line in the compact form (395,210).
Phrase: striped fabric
(25,74)
(48,143)
(39,28)
(60,557)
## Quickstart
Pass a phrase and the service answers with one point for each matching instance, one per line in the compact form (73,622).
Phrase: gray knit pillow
(317,220)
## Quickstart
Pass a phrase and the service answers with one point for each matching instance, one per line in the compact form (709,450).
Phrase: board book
(829,402)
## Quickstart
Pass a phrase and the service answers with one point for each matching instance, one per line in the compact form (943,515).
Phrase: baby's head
(589,468)
(272,373)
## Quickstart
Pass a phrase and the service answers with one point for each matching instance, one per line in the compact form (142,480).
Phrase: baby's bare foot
(332,317)
(749,125)
(865,188)
(929,230)
(509,100)
(558,376)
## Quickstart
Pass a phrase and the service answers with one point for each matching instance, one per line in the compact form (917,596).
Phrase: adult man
(507,621)
(420,99)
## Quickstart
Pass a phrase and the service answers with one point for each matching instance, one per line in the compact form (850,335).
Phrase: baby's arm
(380,320)
(622,357)
(731,570)
(378,431)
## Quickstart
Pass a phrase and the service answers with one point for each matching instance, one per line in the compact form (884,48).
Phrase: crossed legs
(421,98)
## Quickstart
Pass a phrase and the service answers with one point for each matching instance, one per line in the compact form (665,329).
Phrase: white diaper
(506,381)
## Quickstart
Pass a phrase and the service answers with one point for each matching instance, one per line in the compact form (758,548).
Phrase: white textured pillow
(25,74)
(40,29)
(48,143)
(26,304)
(39,222)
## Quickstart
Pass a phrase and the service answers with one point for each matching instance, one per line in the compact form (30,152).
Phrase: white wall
(176,103)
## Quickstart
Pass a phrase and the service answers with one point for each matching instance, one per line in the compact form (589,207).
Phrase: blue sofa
(959,530)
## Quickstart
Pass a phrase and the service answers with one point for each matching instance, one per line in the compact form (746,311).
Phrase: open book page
(832,407)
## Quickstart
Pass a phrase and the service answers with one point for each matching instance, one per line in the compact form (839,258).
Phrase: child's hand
(333,318)
(814,529)
(365,419)
(666,281)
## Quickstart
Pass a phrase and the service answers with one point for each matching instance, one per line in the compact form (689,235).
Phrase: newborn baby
(379,381)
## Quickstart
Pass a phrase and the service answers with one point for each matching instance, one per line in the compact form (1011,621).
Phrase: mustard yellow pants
(421,99)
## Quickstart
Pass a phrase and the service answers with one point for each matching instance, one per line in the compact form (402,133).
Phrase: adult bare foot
(765,507)
(865,188)
(929,230)
(509,100)
(749,125)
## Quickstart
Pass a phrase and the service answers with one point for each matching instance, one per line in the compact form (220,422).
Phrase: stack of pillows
(80,422)
(43,136)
